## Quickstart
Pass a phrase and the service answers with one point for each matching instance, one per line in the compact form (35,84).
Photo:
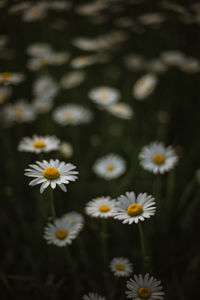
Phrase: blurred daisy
(120,110)
(59,58)
(110,166)
(156,66)
(92,296)
(19,112)
(157,158)
(11,78)
(39,144)
(45,87)
(173,57)
(152,18)
(144,86)
(34,13)
(39,49)
(190,65)
(75,219)
(121,267)
(104,95)
(66,149)
(130,208)
(102,207)
(144,288)
(60,233)
(72,79)
(51,173)
(83,61)
(72,114)
(37,63)
(5,93)
(134,62)
(42,105)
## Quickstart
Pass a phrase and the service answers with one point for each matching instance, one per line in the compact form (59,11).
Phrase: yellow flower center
(61,234)
(158,158)
(144,292)
(18,111)
(68,116)
(104,95)
(51,173)
(119,108)
(119,267)
(39,144)
(104,208)
(134,209)
(110,167)
(6,75)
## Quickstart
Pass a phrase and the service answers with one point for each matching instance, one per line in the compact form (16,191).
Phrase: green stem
(52,207)
(142,243)
(105,252)
(72,271)
(113,290)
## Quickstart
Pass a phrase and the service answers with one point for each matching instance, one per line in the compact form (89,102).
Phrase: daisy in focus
(144,288)
(121,267)
(60,233)
(104,95)
(102,207)
(39,144)
(157,158)
(75,219)
(144,86)
(110,166)
(93,296)
(51,173)
(120,110)
(71,114)
(11,78)
(130,208)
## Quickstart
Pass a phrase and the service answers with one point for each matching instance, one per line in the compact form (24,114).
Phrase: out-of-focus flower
(190,65)
(83,61)
(71,114)
(39,49)
(42,105)
(11,78)
(89,9)
(173,57)
(151,18)
(51,173)
(39,144)
(130,208)
(156,66)
(101,207)
(144,86)
(93,296)
(134,62)
(66,149)
(45,88)
(35,12)
(75,219)
(144,288)
(5,93)
(121,267)
(120,110)
(60,233)
(104,95)
(110,166)
(72,79)
(157,158)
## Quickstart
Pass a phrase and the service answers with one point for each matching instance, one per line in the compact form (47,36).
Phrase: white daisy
(151,18)
(20,111)
(156,66)
(59,58)
(39,50)
(71,114)
(37,63)
(110,166)
(42,105)
(51,173)
(39,144)
(75,219)
(72,79)
(45,88)
(146,287)
(130,208)
(93,296)
(104,95)
(60,233)
(66,149)
(120,110)
(144,86)
(102,207)
(157,158)
(5,92)
(190,65)
(34,13)
(173,57)
(121,267)
(83,61)
(11,78)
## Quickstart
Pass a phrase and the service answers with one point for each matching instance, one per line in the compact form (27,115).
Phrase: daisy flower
(131,209)
(39,144)
(190,65)
(51,173)
(156,66)
(157,158)
(72,79)
(110,166)
(83,61)
(121,267)
(45,88)
(104,95)
(102,207)
(71,114)
(93,296)
(60,233)
(144,86)
(146,287)
(11,78)
(120,110)
(134,62)
(66,149)
(42,105)
(39,49)
(75,219)
(5,92)
(173,57)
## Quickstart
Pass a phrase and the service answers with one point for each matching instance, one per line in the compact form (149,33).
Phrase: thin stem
(105,251)
(113,290)
(72,271)
(142,243)
(52,207)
